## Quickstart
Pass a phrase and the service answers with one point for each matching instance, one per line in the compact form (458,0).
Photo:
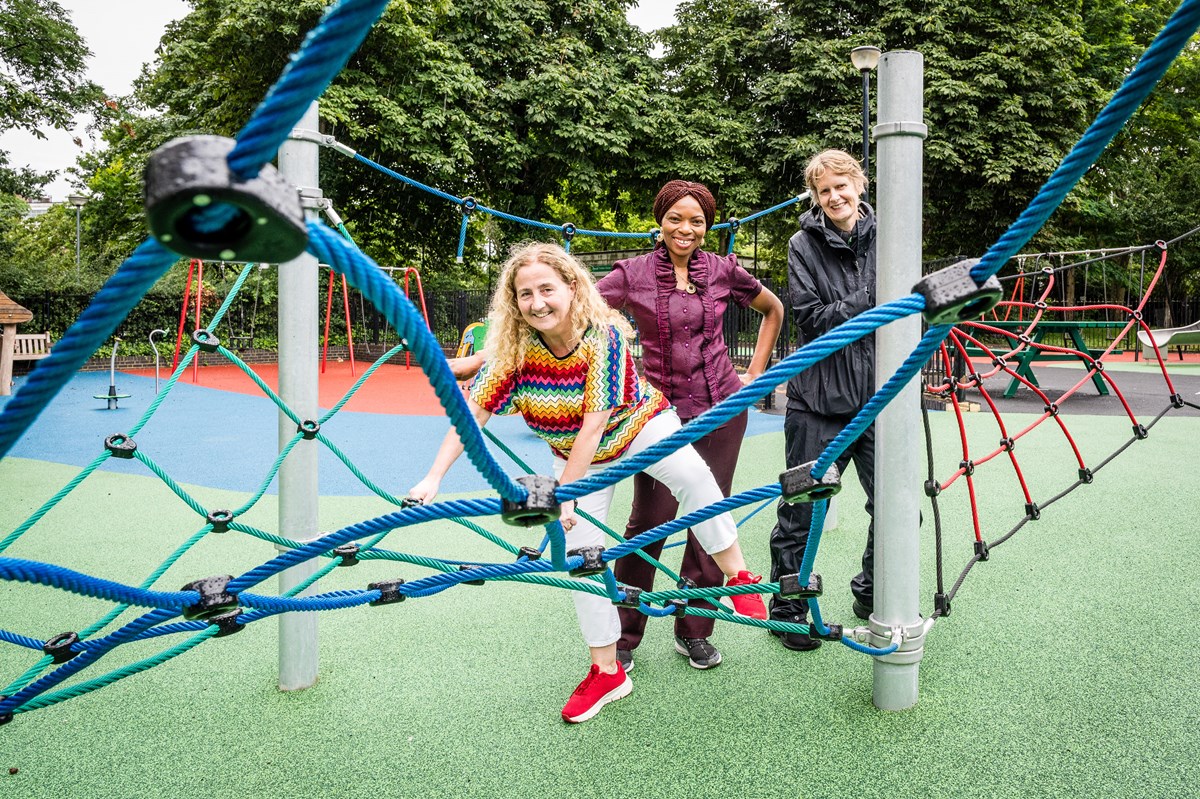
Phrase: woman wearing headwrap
(677,295)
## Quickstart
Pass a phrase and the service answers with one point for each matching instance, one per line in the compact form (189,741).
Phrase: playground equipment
(112,396)
(158,331)
(1153,340)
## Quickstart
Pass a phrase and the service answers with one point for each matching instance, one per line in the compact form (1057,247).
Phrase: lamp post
(78,201)
(866,59)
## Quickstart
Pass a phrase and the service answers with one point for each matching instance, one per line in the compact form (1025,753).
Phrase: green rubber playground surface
(1065,669)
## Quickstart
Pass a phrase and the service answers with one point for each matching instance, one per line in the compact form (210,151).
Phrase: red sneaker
(596,691)
(748,604)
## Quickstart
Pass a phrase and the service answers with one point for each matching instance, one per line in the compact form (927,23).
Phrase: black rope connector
(568,231)
(734,223)
(975,379)
(1176,400)
(121,446)
(790,588)
(309,429)
(59,647)
(932,488)
(348,553)
(998,361)
(389,591)
(196,207)
(797,484)
(952,295)
(1007,444)
(410,502)
(214,599)
(227,623)
(539,507)
(468,205)
(981,550)
(6,716)
(833,632)
(1051,409)
(968,467)
(679,607)
(949,381)
(1140,432)
(1033,511)
(205,340)
(529,552)
(467,567)
(220,519)
(593,561)
(941,605)
(1086,476)
(686,583)
(631,597)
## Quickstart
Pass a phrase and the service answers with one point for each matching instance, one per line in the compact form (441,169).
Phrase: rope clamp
(121,446)
(389,591)
(538,507)
(797,484)
(220,519)
(790,588)
(227,623)
(214,599)
(569,230)
(981,549)
(932,488)
(1140,432)
(529,553)
(941,605)
(1086,476)
(309,429)
(467,567)
(348,553)
(593,561)
(311,199)
(205,340)
(468,205)
(301,134)
(1176,400)
(734,223)
(631,597)
(653,236)
(196,207)
(59,647)
(833,632)
(1007,444)
(952,295)
(679,607)
(1033,511)
(967,466)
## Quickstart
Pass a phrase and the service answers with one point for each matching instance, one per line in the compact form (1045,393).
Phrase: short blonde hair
(839,162)
(509,335)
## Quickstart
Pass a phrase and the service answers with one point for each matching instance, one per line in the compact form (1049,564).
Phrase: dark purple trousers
(653,505)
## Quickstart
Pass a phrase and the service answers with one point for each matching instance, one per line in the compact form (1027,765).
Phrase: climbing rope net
(242,210)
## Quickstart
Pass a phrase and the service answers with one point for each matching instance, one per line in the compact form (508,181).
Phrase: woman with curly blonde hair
(559,356)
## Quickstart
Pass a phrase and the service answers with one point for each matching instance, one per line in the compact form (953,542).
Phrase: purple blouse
(683,345)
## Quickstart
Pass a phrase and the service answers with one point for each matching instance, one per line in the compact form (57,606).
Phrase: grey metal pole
(78,211)
(898,489)
(866,131)
(298,325)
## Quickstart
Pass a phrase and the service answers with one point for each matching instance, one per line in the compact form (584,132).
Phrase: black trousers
(806,435)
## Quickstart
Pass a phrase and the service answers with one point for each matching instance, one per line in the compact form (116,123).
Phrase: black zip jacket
(831,280)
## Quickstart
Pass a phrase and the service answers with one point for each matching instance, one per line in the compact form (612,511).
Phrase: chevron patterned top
(554,393)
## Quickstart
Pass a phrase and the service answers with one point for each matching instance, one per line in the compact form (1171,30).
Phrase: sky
(122,35)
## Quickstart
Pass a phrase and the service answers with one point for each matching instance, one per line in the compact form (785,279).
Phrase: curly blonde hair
(509,335)
(839,162)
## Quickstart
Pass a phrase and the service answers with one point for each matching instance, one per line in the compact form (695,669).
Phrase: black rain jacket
(831,280)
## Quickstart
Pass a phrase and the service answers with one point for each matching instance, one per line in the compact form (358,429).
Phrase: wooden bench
(31,346)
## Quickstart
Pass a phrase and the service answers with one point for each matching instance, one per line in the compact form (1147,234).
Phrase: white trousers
(689,479)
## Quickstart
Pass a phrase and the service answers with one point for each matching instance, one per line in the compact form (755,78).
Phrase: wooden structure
(25,347)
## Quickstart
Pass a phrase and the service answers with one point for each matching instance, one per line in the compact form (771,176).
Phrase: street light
(866,59)
(78,201)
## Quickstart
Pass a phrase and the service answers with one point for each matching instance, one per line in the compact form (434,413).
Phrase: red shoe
(747,604)
(596,691)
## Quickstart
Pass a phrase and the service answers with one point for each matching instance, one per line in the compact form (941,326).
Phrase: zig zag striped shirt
(553,394)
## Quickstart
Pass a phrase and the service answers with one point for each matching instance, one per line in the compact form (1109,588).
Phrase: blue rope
(325,50)
(1136,86)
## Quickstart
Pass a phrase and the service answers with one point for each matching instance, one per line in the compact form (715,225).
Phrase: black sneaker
(861,609)
(797,642)
(625,658)
(700,653)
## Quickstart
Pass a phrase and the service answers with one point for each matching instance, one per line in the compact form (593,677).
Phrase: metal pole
(298,322)
(78,210)
(866,132)
(898,493)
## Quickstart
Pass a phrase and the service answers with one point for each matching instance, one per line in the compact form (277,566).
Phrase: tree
(42,84)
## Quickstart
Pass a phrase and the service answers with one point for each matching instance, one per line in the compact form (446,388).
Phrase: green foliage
(42,65)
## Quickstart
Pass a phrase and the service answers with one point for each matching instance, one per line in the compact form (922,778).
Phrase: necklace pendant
(690,288)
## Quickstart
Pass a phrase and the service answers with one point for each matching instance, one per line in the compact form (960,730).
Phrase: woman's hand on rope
(424,491)
(567,515)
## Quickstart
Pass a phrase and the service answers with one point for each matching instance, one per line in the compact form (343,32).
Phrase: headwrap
(676,190)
